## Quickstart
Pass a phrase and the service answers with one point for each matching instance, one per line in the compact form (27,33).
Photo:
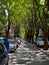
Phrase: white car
(11,45)
(40,41)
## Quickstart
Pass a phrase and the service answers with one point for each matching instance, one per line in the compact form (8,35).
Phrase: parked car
(6,43)
(3,54)
(11,45)
(40,42)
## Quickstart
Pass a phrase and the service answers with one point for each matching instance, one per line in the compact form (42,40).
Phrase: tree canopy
(21,10)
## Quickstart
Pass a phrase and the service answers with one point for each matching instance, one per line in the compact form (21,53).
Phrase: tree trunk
(16,30)
(7,29)
(29,39)
(48,33)
(7,34)
(47,4)
(37,33)
(45,41)
(32,39)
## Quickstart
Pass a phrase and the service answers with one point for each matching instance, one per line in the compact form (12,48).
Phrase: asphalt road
(28,55)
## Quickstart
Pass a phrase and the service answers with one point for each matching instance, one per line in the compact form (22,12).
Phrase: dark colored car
(3,54)
(5,42)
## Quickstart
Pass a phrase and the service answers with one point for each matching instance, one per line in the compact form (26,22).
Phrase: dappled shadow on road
(25,56)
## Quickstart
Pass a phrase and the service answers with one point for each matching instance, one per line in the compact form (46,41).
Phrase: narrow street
(28,55)
(23,23)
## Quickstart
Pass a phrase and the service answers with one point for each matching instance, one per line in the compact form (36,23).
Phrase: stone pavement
(27,56)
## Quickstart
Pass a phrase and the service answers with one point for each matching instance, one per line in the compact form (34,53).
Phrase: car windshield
(11,44)
(40,39)
(11,41)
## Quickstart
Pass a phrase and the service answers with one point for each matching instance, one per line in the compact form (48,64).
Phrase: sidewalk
(45,51)
(41,49)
